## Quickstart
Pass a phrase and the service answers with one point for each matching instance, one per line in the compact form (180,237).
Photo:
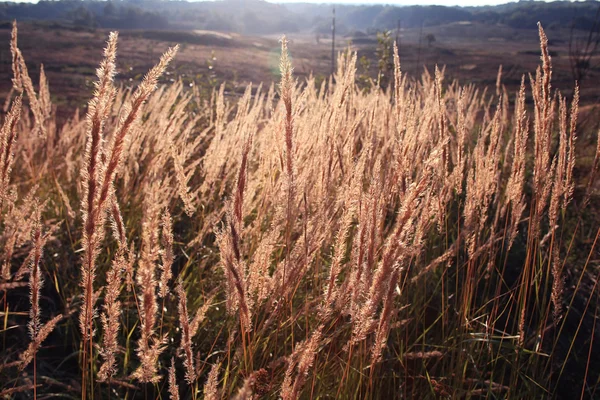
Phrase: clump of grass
(418,241)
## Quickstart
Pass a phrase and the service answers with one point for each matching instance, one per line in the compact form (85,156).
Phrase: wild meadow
(420,239)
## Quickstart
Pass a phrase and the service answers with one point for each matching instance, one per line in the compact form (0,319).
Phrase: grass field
(182,230)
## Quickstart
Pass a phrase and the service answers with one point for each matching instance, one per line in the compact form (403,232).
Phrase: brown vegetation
(412,241)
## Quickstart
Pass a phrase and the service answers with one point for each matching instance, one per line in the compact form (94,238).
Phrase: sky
(463,3)
(395,2)
(403,2)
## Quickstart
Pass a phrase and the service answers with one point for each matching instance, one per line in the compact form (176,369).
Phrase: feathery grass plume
(546,63)
(12,285)
(499,81)
(149,345)
(260,281)
(569,182)
(211,387)
(16,389)
(200,315)
(8,138)
(238,203)
(19,222)
(560,160)
(8,100)
(441,121)
(14,50)
(35,280)
(22,82)
(183,179)
(116,220)
(347,219)
(368,238)
(444,258)
(514,187)
(93,210)
(229,242)
(128,120)
(461,157)
(383,326)
(558,282)
(301,361)
(45,102)
(186,337)
(37,332)
(398,88)
(544,105)
(173,387)
(286,89)
(220,111)
(27,356)
(65,199)
(245,392)
(562,191)
(148,353)
(93,218)
(167,253)
(111,315)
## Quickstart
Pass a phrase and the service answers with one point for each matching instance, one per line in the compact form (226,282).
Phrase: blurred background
(237,41)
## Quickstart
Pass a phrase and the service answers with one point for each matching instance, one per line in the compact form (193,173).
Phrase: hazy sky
(396,2)
(403,2)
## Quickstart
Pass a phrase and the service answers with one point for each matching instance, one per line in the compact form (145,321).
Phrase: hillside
(261,17)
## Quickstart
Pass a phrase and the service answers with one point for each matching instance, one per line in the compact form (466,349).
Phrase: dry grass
(307,241)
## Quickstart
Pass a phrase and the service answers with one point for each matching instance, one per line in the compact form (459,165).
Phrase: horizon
(447,3)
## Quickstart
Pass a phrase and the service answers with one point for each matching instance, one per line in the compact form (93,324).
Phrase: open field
(470,52)
(179,230)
